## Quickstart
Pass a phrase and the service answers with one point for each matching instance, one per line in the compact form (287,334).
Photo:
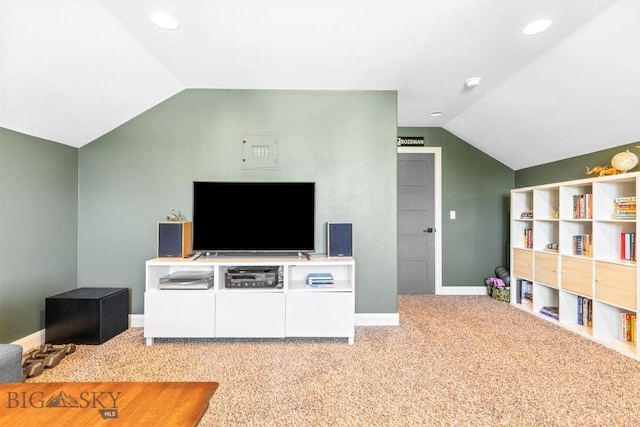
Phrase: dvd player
(187,280)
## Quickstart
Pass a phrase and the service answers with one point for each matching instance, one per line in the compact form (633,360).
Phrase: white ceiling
(72,70)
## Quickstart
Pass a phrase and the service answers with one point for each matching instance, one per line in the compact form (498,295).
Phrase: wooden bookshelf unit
(573,247)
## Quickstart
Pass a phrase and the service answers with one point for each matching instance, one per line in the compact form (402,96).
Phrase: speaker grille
(339,239)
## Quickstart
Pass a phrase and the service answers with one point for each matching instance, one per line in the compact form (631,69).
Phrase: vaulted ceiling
(73,70)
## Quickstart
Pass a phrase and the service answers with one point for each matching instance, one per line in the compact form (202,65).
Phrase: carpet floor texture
(452,361)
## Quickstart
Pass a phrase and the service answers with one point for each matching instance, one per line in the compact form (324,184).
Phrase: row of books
(320,280)
(550,311)
(528,238)
(585,311)
(627,328)
(628,246)
(624,207)
(583,206)
(582,245)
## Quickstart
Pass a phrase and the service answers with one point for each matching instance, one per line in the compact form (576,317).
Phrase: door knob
(429,230)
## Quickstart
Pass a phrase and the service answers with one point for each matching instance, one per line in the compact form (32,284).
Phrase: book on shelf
(528,238)
(585,311)
(624,208)
(627,327)
(583,206)
(550,311)
(320,280)
(525,291)
(625,199)
(628,246)
(582,245)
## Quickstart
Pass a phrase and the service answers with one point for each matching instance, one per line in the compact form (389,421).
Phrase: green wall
(477,187)
(38,229)
(571,168)
(344,141)
(88,217)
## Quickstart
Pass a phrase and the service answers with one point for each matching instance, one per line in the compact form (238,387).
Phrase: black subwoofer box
(86,315)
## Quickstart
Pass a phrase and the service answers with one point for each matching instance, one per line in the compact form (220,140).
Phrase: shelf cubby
(607,234)
(522,206)
(544,296)
(576,275)
(545,232)
(568,303)
(606,328)
(522,263)
(569,231)
(546,268)
(605,193)
(519,232)
(569,196)
(545,203)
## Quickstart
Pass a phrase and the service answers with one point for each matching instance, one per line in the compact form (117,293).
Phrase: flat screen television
(253,216)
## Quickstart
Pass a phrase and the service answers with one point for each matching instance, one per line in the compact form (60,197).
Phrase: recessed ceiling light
(472,82)
(164,20)
(435,114)
(536,27)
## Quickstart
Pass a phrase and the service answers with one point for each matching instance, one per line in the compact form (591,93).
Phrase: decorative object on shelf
(528,214)
(175,216)
(603,170)
(624,161)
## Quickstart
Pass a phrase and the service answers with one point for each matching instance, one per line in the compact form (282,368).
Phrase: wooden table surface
(104,403)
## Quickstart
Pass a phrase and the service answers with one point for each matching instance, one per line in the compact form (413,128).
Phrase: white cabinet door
(173,314)
(249,314)
(320,314)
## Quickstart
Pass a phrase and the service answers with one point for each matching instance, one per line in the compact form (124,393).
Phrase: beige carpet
(453,361)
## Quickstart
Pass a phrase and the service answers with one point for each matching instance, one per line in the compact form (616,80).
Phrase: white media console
(293,310)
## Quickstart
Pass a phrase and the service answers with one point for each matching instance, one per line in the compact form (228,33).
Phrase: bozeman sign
(410,141)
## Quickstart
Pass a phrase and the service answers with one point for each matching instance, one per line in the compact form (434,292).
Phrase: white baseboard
(377,319)
(461,290)
(136,320)
(31,341)
(38,338)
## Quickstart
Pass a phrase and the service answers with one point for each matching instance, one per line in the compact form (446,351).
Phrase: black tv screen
(253,216)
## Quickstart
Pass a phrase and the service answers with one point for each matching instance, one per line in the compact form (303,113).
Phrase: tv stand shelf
(291,310)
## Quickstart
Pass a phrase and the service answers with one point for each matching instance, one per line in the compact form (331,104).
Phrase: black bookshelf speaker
(339,239)
(175,239)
